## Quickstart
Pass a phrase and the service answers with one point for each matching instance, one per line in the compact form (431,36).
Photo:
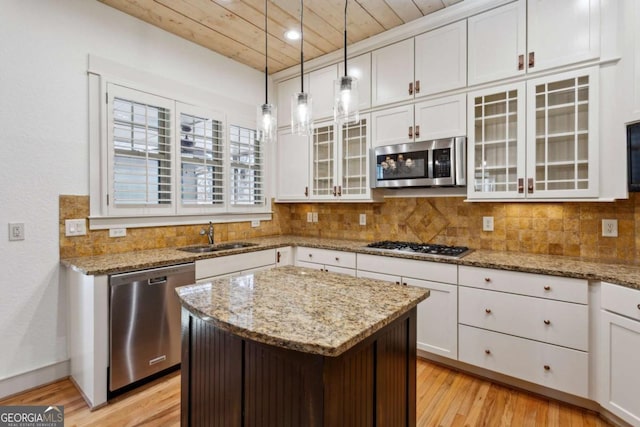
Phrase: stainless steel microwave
(441,162)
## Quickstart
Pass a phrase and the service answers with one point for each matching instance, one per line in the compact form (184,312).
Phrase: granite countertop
(622,274)
(299,308)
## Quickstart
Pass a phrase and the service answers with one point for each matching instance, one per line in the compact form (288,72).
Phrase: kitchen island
(294,346)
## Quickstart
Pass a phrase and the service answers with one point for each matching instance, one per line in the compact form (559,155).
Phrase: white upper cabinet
(360,68)
(530,36)
(441,59)
(292,172)
(321,84)
(562,32)
(430,63)
(436,118)
(392,73)
(497,43)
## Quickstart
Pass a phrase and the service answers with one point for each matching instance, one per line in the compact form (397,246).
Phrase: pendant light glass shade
(345,92)
(345,106)
(301,111)
(266,122)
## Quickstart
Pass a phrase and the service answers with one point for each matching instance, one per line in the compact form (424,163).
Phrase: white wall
(44,151)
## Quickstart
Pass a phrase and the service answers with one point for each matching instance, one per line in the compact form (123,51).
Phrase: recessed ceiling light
(292,35)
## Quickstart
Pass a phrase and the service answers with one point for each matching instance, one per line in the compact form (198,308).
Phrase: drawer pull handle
(337,259)
(547,367)
(638,306)
(547,288)
(487,279)
(547,322)
(487,310)
(404,283)
(310,255)
(397,283)
(487,351)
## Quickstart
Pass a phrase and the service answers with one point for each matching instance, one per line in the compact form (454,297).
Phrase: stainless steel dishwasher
(144,322)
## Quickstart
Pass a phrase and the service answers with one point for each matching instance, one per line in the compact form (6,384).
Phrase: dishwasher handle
(157,281)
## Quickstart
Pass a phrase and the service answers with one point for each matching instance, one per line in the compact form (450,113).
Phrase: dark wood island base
(232,381)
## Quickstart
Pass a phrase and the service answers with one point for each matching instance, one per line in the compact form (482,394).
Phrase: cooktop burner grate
(421,248)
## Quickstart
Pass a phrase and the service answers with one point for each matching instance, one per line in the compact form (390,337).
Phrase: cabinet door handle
(411,88)
(337,259)
(397,283)
(404,283)
(547,367)
(547,288)
(530,185)
(417,131)
(339,190)
(487,351)
(520,185)
(306,191)
(547,322)
(278,255)
(417,86)
(410,131)
(520,62)
(487,279)
(487,310)
(638,306)
(532,59)
(310,255)
(335,191)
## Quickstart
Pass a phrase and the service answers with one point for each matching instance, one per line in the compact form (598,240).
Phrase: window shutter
(247,168)
(140,147)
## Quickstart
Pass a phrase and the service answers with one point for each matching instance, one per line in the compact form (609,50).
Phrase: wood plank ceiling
(235,28)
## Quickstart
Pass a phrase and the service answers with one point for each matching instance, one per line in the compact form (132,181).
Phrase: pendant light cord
(345,37)
(301,47)
(266,57)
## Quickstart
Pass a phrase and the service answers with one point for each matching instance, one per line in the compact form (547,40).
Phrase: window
(247,188)
(166,158)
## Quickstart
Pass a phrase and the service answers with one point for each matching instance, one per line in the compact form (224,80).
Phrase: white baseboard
(32,379)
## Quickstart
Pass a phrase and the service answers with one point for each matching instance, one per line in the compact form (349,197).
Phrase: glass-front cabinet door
(496,142)
(562,135)
(354,164)
(323,167)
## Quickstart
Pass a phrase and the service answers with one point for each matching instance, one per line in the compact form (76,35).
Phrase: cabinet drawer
(555,322)
(425,270)
(621,300)
(329,268)
(234,263)
(555,367)
(326,257)
(379,276)
(537,285)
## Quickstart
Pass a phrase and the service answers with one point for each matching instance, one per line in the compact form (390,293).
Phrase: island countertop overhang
(300,309)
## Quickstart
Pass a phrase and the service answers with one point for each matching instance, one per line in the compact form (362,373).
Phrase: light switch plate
(75,227)
(255,223)
(16,231)
(610,227)
(315,217)
(309,217)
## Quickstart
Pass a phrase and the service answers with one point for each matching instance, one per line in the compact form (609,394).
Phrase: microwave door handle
(460,151)
(430,164)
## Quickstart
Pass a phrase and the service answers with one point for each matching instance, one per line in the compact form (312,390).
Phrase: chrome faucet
(209,233)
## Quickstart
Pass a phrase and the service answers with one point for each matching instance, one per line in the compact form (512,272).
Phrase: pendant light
(301,102)
(267,116)
(345,90)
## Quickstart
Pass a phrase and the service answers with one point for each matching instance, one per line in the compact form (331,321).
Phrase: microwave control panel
(442,163)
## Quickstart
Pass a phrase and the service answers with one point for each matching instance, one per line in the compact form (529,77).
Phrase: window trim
(103,71)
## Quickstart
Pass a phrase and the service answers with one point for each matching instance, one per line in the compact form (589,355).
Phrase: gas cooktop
(425,249)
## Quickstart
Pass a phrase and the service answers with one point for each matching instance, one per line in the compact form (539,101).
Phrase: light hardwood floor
(444,398)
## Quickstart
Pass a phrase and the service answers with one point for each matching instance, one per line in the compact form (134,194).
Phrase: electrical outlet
(309,216)
(16,231)
(75,227)
(315,217)
(363,219)
(255,223)
(117,232)
(610,227)
(487,223)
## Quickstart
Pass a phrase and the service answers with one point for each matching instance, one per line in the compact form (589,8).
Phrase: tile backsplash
(572,229)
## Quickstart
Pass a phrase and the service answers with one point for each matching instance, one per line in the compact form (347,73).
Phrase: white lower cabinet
(620,352)
(234,265)
(326,260)
(528,326)
(549,365)
(438,314)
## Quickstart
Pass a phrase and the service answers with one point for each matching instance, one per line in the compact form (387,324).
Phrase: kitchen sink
(214,248)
